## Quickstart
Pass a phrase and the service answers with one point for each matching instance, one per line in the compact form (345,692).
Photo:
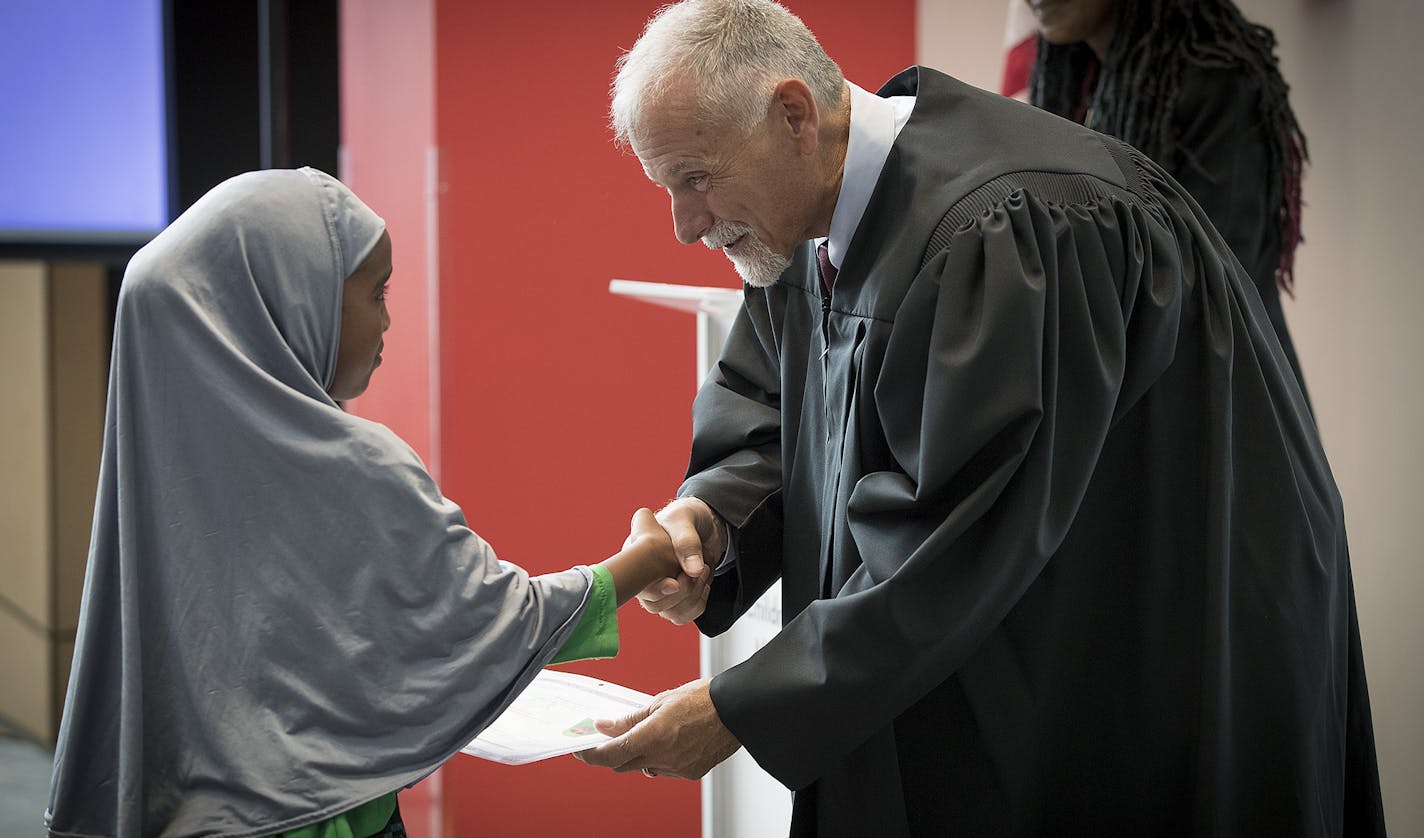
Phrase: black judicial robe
(1060,550)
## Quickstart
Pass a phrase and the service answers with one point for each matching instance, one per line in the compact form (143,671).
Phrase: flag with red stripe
(1020,50)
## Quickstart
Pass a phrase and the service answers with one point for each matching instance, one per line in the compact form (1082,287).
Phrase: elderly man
(1060,551)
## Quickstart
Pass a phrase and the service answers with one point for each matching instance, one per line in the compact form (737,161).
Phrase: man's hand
(678,735)
(699,539)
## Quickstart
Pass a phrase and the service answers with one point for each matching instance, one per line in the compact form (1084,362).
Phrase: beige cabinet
(53,372)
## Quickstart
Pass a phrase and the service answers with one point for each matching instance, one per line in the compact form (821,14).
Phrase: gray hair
(734,51)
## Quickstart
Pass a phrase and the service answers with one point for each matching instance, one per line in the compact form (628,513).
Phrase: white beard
(758,265)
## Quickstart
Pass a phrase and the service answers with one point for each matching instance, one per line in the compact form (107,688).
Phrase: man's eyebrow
(672,172)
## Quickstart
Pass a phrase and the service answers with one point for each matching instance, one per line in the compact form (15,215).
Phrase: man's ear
(795,107)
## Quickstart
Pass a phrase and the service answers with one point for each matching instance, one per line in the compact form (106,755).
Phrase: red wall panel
(559,408)
(564,408)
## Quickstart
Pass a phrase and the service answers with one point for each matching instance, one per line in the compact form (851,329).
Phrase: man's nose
(690,218)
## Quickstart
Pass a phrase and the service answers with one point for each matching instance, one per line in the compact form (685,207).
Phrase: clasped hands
(679,734)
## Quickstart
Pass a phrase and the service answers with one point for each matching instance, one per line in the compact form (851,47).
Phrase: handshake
(668,558)
(667,563)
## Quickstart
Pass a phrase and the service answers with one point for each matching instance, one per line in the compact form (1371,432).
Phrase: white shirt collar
(874,124)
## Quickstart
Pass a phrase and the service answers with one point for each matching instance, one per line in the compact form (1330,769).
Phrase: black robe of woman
(1221,161)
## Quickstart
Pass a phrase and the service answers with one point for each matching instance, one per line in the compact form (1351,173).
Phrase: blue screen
(82,130)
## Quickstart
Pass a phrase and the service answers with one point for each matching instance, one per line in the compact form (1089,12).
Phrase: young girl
(283,621)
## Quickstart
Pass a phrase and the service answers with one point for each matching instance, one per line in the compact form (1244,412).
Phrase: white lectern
(739,800)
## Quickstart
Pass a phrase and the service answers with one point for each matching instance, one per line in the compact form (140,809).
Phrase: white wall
(1356,320)
(964,39)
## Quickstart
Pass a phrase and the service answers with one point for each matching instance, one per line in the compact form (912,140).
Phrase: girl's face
(364,320)
(1075,21)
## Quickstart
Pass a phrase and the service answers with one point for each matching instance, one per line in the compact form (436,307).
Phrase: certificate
(554,716)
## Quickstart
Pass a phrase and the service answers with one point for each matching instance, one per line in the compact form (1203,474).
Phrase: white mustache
(724,233)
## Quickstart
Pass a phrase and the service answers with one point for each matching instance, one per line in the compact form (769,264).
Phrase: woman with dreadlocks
(1196,87)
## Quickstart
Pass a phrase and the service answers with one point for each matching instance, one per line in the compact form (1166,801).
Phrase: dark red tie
(828,271)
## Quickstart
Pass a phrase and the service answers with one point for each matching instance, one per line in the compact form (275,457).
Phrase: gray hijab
(282,617)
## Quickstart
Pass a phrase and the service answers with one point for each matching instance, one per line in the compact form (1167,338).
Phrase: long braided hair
(1155,40)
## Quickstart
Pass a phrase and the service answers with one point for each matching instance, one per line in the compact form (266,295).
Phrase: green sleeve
(363,821)
(596,635)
